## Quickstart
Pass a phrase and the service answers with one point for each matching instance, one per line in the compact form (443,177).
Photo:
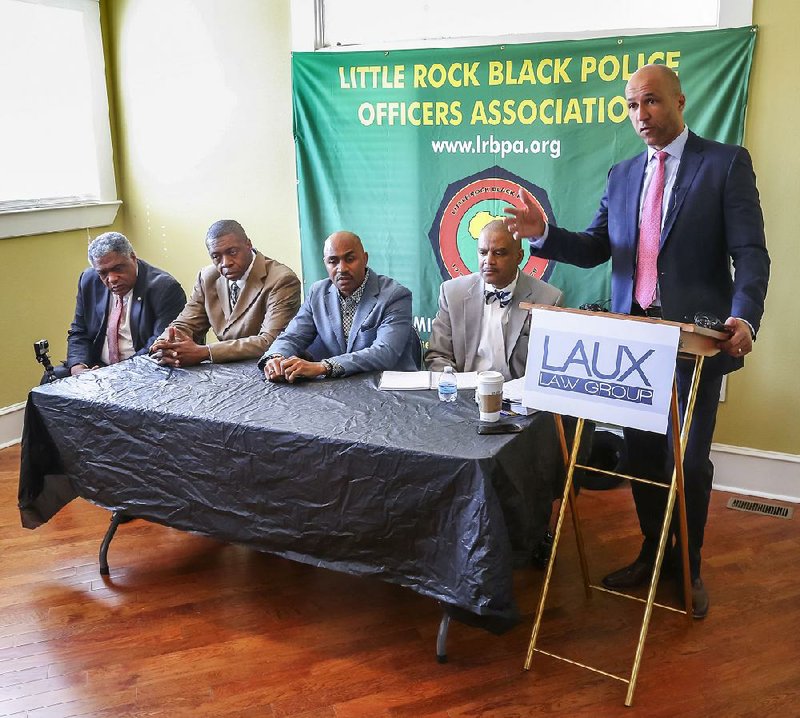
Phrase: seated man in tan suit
(246,298)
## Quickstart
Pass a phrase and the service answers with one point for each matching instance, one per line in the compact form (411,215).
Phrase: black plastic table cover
(333,473)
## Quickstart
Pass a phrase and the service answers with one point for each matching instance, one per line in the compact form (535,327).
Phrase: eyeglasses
(595,306)
(709,321)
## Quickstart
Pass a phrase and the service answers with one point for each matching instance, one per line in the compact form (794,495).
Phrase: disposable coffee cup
(490,395)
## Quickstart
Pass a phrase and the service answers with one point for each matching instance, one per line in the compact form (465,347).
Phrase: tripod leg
(573,504)
(545,586)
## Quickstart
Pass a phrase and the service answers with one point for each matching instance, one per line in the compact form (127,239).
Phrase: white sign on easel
(611,370)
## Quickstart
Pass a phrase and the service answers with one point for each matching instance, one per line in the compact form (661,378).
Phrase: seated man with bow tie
(123,303)
(245,297)
(355,321)
(479,325)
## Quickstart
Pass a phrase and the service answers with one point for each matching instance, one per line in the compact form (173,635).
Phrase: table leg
(117,517)
(441,639)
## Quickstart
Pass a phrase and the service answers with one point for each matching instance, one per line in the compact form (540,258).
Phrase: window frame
(308,30)
(32,220)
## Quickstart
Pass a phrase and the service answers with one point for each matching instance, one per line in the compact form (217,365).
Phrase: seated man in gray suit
(245,297)
(357,320)
(479,325)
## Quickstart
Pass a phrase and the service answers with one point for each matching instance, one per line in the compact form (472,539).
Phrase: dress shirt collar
(243,279)
(674,148)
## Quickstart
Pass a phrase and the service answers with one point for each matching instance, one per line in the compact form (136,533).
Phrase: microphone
(673,201)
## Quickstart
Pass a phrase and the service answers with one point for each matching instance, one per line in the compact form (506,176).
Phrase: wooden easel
(694,342)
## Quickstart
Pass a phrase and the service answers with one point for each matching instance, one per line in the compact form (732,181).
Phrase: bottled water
(448,388)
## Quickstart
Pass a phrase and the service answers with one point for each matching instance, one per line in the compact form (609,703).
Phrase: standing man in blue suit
(121,291)
(355,321)
(699,202)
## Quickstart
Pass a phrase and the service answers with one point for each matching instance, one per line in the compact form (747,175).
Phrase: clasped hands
(178,349)
(292,368)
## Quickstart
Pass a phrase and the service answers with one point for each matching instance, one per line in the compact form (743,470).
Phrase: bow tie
(503,296)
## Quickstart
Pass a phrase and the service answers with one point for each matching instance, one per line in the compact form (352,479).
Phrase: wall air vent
(759,507)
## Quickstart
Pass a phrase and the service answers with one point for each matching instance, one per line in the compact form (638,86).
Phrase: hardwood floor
(186,626)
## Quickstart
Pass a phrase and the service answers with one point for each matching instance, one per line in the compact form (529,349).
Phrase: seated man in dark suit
(245,297)
(479,325)
(123,304)
(355,321)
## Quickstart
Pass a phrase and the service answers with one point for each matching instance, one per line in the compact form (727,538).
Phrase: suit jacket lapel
(523,292)
(136,307)
(633,194)
(335,316)
(368,301)
(101,312)
(473,314)
(252,288)
(221,287)
(691,160)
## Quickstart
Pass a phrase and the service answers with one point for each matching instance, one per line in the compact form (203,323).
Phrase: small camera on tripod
(40,349)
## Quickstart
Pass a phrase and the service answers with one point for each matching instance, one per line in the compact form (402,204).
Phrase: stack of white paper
(410,380)
(512,392)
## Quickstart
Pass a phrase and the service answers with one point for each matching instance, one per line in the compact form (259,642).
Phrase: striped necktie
(112,330)
(233,291)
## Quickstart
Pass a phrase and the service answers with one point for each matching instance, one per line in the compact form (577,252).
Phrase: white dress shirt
(491,354)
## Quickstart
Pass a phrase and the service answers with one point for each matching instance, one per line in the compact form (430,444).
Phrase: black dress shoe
(541,554)
(699,599)
(636,574)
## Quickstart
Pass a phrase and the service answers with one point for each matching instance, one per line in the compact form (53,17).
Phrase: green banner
(415,150)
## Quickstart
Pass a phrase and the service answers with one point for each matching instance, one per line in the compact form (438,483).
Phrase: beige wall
(38,284)
(203,120)
(761,408)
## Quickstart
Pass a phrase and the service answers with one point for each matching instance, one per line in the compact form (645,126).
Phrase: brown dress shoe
(636,574)
(699,599)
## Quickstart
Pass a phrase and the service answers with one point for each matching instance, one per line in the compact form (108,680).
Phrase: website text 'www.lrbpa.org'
(492,146)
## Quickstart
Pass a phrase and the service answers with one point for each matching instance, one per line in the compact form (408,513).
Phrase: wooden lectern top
(694,340)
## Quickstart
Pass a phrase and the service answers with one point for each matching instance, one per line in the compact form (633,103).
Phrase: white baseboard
(768,474)
(11,424)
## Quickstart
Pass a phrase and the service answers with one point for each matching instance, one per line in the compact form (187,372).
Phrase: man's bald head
(345,261)
(661,72)
(343,236)
(498,226)
(655,104)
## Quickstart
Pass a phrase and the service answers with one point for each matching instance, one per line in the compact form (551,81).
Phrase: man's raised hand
(527,221)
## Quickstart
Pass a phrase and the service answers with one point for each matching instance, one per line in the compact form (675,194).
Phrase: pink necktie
(650,237)
(112,331)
